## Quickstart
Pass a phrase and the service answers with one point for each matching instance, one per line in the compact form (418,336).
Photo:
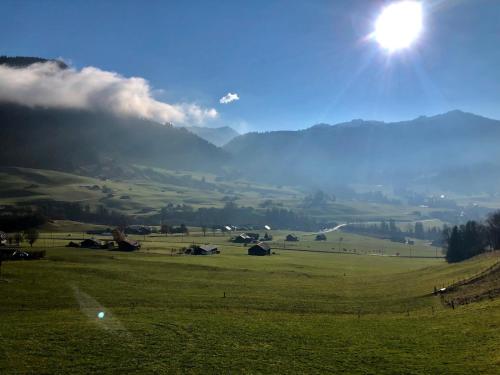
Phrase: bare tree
(118,235)
(31,235)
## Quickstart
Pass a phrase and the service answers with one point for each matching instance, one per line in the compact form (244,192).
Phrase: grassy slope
(294,312)
(24,184)
(151,192)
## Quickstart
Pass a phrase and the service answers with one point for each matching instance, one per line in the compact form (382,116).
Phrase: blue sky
(292,63)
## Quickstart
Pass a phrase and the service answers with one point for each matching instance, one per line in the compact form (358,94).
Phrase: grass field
(292,312)
(151,189)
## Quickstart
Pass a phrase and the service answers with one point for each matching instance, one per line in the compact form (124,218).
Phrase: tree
(31,236)
(454,242)
(118,235)
(465,241)
(184,229)
(392,226)
(419,230)
(18,238)
(493,223)
(165,229)
(204,230)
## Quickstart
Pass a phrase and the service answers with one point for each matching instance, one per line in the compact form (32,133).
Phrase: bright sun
(399,25)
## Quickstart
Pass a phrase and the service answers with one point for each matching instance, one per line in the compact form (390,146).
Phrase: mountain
(217,136)
(455,150)
(64,139)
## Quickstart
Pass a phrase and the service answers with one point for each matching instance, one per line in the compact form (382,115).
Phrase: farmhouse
(291,237)
(204,250)
(127,244)
(260,249)
(90,243)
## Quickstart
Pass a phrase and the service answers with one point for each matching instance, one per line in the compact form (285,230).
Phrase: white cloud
(47,85)
(228,98)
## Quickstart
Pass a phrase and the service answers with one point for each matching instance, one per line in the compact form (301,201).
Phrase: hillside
(217,136)
(65,139)
(443,151)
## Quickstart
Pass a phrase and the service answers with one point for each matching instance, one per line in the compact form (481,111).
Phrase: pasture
(312,311)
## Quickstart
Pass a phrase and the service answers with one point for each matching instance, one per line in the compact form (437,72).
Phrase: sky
(271,65)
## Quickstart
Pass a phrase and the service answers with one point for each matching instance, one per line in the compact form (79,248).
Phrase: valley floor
(292,312)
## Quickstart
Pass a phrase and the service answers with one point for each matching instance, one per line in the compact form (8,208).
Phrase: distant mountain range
(455,150)
(217,136)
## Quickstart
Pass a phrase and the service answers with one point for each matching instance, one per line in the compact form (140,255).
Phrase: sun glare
(399,25)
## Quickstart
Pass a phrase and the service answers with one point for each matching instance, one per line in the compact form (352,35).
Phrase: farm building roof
(208,247)
(263,245)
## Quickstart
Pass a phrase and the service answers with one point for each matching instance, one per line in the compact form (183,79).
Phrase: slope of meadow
(292,312)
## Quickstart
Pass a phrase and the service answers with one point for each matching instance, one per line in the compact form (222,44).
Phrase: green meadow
(150,189)
(305,309)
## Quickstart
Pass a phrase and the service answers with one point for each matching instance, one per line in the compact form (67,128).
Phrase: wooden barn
(128,245)
(260,249)
(242,238)
(291,238)
(204,250)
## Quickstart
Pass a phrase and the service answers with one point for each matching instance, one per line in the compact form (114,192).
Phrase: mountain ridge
(390,153)
(67,139)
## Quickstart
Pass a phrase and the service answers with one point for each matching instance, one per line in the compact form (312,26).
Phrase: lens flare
(399,25)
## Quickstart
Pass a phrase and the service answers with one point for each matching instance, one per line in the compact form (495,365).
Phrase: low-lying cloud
(228,98)
(48,85)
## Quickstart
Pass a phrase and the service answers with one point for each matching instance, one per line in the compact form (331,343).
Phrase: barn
(291,238)
(204,250)
(242,238)
(260,249)
(128,245)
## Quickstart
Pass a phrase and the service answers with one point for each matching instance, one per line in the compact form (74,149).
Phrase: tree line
(390,230)
(232,214)
(473,238)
